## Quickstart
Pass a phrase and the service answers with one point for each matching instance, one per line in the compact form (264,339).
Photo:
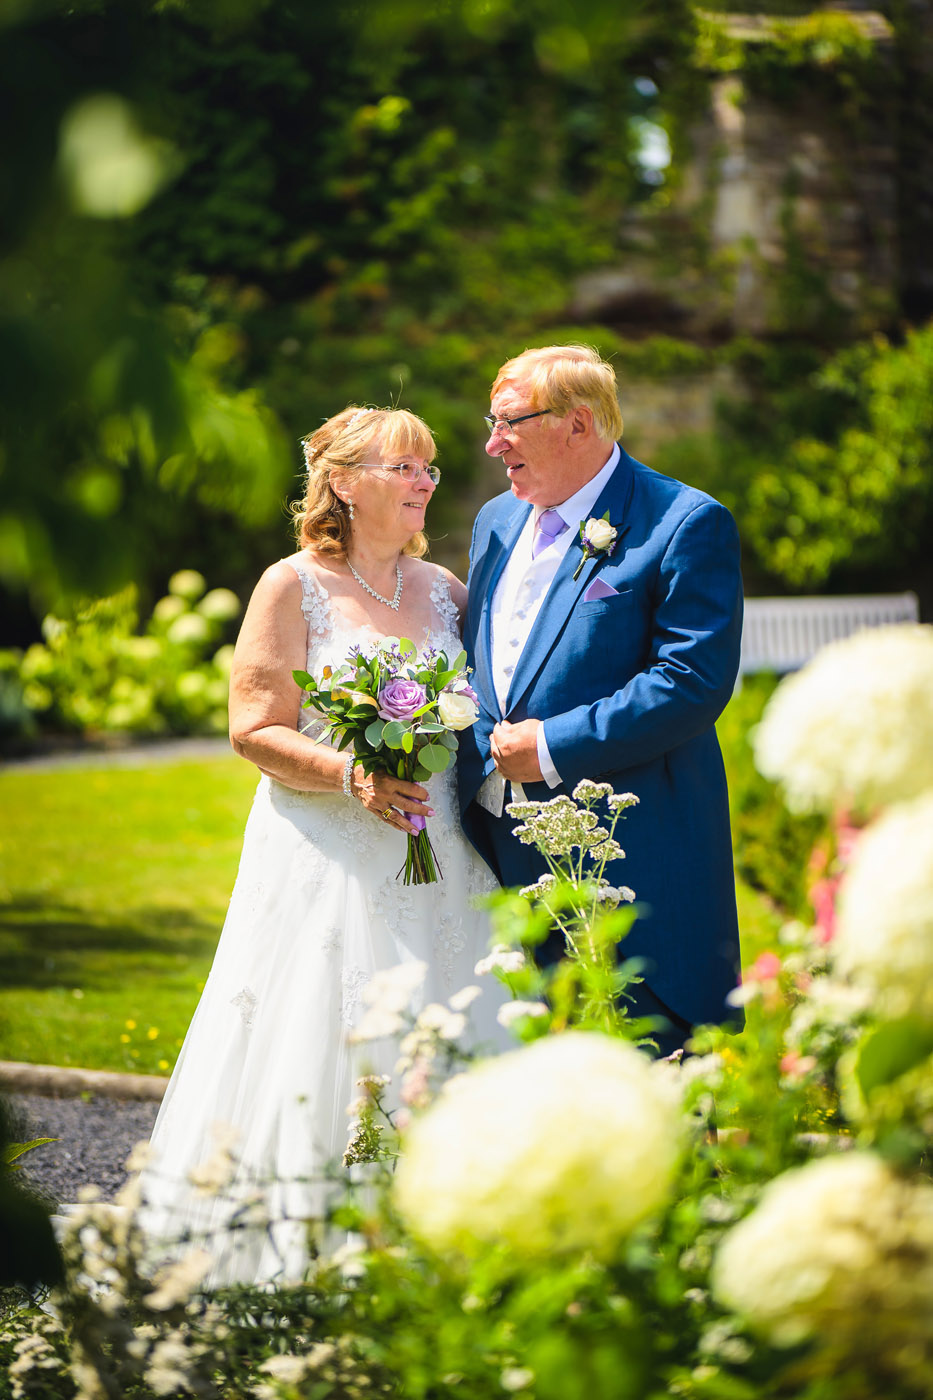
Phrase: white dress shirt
(516,602)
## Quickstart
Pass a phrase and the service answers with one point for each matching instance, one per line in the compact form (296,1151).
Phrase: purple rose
(400,699)
(464,688)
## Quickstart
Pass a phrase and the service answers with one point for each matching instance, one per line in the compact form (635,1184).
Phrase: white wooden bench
(781,634)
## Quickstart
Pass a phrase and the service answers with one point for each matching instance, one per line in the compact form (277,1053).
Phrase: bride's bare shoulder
(286,574)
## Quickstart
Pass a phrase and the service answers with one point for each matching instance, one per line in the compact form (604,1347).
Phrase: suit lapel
(565,592)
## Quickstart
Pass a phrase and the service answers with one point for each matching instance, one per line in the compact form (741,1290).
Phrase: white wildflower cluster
(621,801)
(364,1135)
(605,893)
(855,725)
(832,1009)
(427,1048)
(512,1011)
(541,887)
(326,1368)
(36,1369)
(559,827)
(841,1251)
(387,996)
(169,1368)
(564,1145)
(884,939)
(176,1282)
(601,891)
(588,791)
(216,1172)
(502,958)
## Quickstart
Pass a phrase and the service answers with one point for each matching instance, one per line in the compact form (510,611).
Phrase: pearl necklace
(389,602)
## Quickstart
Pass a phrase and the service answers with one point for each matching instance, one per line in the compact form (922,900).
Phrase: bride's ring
(387,814)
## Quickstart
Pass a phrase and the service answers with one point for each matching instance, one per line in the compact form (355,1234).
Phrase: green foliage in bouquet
(420,700)
(96,674)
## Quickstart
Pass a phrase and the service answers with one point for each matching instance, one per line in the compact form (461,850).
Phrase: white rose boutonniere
(598,536)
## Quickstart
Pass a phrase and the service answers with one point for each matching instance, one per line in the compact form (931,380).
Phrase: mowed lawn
(113,887)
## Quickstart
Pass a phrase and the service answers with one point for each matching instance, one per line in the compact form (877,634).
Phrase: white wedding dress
(316,910)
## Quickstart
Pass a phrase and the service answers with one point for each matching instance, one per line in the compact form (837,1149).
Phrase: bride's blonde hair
(335,453)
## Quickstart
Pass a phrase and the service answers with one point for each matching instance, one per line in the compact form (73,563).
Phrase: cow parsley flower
(855,725)
(840,1250)
(563,1145)
(884,937)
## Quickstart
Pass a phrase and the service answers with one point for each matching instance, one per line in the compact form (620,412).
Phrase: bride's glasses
(408,471)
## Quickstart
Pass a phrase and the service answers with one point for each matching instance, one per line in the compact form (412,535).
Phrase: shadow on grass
(49,944)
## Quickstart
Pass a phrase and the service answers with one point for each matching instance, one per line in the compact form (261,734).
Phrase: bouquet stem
(421,867)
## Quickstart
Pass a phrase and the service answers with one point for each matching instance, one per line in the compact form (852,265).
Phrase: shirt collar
(578,506)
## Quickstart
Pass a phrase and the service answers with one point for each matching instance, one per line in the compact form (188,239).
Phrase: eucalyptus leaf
(434,757)
(393,732)
(406,647)
(408,741)
(374,732)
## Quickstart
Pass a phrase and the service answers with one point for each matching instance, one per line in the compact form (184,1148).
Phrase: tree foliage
(226,222)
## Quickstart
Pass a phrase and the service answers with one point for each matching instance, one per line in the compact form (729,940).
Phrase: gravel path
(97,1135)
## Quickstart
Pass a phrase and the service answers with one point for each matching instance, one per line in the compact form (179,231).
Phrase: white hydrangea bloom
(855,725)
(884,937)
(840,1250)
(566,1144)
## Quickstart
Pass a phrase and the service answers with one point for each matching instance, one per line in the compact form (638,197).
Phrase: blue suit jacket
(629,688)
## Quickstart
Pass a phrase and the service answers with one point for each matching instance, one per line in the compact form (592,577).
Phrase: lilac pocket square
(599,589)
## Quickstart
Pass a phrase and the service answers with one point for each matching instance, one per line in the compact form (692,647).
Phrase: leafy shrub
(96,674)
(771,844)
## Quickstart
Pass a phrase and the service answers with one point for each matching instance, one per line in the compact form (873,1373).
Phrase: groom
(617,674)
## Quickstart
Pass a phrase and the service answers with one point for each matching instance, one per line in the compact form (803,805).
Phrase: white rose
(456,711)
(599,533)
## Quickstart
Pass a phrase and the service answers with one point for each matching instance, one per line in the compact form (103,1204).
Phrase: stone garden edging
(58,1081)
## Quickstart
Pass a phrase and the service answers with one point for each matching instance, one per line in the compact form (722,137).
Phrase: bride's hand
(390,798)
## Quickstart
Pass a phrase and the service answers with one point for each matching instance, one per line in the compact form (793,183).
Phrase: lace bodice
(330,635)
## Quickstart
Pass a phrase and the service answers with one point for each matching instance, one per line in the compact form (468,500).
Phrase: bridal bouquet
(400,711)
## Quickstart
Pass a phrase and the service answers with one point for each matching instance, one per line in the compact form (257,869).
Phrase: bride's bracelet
(348,775)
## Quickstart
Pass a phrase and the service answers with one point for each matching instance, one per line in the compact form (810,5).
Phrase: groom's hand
(515,750)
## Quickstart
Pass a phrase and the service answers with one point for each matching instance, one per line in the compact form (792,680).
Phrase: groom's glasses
(507,425)
(408,471)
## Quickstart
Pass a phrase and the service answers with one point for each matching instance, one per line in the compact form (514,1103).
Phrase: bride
(317,909)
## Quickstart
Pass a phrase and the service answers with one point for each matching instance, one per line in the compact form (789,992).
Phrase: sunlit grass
(113,887)
(114,883)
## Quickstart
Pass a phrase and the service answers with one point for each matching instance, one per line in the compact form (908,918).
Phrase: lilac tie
(550,525)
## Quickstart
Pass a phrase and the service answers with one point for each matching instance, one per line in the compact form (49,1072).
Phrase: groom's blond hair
(561,378)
